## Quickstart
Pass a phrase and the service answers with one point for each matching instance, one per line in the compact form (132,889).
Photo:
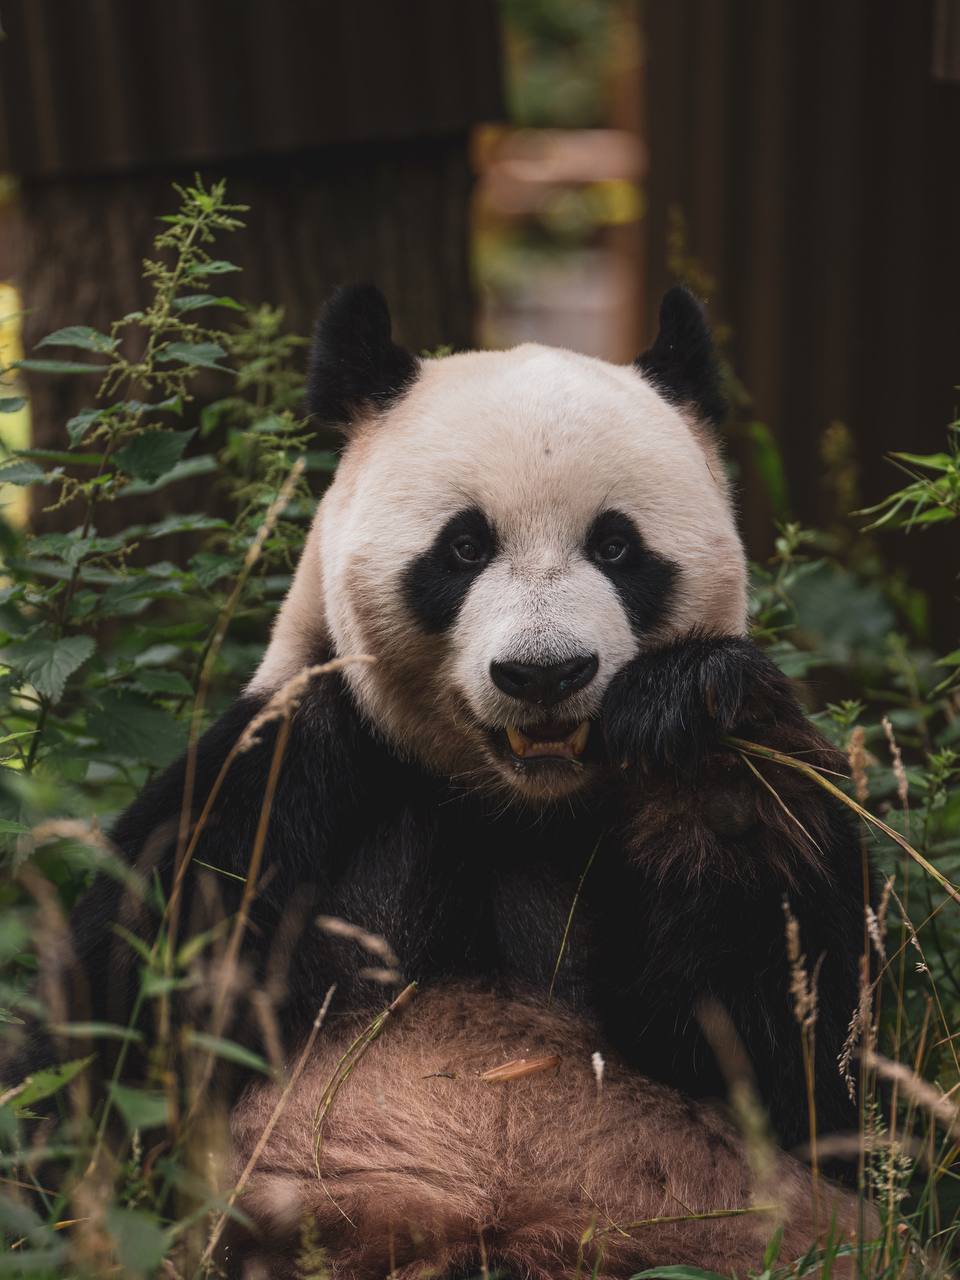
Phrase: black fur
(644,580)
(355,365)
(436,583)
(682,362)
(463,889)
(669,709)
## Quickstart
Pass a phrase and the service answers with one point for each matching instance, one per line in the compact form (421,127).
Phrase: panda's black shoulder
(319,761)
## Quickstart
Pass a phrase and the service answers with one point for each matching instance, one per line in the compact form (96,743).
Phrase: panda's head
(507,530)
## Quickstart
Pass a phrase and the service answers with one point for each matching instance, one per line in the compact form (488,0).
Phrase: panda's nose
(544,686)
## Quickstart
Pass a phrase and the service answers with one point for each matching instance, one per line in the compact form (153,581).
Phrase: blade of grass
(809,771)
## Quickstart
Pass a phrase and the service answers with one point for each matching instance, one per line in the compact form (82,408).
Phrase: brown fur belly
(427,1170)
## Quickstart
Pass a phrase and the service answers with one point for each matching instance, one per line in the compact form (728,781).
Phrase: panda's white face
(503,540)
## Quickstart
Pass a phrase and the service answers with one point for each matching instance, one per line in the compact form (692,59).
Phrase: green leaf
(18,1219)
(228,1050)
(131,596)
(58,455)
(194,301)
(141,1242)
(45,1263)
(82,337)
(321,460)
(8,828)
(934,461)
(934,516)
(15,936)
(46,1083)
(71,548)
(769,462)
(208,567)
(184,470)
(79,424)
(57,366)
(98,1030)
(140,1108)
(192,523)
(12,404)
(158,655)
(274,424)
(772,1251)
(134,731)
(171,683)
(25,473)
(47,663)
(151,455)
(212,268)
(198,355)
(157,984)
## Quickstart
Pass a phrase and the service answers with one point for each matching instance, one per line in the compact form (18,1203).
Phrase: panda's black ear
(682,363)
(355,366)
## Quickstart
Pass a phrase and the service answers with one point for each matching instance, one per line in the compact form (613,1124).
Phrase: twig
(354,1052)
(569,924)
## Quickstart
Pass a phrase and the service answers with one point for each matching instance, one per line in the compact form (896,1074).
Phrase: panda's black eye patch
(437,581)
(644,580)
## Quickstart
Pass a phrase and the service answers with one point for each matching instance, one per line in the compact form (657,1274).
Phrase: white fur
(541,440)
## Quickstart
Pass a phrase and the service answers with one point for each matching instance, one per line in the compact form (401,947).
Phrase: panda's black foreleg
(311,820)
(712,854)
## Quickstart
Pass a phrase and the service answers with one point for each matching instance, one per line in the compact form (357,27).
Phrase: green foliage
(106,653)
(102,643)
(930,498)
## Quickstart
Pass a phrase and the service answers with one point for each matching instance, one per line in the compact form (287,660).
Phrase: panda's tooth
(578,739)
(518,743)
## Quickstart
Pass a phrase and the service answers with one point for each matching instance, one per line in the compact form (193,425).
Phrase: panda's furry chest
(461,891)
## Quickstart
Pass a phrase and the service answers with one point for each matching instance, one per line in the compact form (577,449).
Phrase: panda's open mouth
(550,740)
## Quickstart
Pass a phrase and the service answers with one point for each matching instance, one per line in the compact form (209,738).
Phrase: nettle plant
(110,657)
(103,642)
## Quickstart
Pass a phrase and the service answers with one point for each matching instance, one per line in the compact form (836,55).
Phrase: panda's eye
(612,550)
(468,550)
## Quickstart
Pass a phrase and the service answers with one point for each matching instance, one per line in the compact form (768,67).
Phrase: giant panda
(525,599)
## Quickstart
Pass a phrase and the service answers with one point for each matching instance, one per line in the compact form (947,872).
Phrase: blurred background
(532,169)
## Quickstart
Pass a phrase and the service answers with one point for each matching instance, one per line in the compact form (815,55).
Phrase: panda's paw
(669,709)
